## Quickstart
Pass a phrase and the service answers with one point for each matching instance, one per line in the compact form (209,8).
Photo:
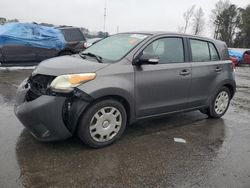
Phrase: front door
(163,87)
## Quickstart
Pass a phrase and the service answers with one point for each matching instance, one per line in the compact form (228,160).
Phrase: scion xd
(121,79)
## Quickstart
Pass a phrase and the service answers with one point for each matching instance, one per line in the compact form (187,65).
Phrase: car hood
(67,65)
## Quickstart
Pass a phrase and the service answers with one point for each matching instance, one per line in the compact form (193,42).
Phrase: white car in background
(92,41)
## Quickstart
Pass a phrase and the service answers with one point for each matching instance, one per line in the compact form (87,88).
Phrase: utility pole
(105,14)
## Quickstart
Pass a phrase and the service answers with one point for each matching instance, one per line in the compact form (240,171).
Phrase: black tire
(211,110)
(84,126)
(65,53)
(204,110)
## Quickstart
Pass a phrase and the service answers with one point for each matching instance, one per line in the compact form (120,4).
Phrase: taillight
(234,62)
(233,66)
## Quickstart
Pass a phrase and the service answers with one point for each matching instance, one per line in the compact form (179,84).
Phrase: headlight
(66,83)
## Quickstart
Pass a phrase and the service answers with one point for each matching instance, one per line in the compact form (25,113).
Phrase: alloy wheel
(221,102)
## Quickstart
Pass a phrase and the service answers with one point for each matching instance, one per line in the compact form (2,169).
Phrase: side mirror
(146,59)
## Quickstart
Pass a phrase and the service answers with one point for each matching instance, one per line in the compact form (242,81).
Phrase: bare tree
(180,29)
(187,16)
(2,21)
(198,22)
(220,6)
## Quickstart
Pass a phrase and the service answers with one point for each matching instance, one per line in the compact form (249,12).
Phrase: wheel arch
(82,105)
(231,89)
(230,84)
(118,98)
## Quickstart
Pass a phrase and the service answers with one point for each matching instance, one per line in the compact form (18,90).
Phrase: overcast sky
(129,15)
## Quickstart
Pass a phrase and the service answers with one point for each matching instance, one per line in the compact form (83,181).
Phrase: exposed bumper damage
(48,115)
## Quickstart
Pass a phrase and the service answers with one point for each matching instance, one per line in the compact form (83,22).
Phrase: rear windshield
(72,35)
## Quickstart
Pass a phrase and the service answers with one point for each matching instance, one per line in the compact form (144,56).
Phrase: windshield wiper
(97,57)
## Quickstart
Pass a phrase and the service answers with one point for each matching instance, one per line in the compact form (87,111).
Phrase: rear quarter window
(214,53)
(72,35)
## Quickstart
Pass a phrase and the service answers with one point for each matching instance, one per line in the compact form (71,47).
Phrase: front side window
(115,47)
(200,50)
(169,50)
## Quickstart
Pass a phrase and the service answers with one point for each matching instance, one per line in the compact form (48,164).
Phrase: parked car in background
(121,79)
(26,44)
(92,41)
(74,40)
(242,55)
(246,57)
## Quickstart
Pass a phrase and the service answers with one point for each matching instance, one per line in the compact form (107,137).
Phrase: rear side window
(200,50)
(213,52)
(169,50)
(72,35)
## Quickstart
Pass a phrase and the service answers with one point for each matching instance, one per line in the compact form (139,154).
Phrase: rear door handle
(218,69)
(185,72)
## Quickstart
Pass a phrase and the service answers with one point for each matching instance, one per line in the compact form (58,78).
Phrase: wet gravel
(216,152)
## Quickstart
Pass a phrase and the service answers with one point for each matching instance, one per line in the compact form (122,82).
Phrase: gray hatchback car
(121,79)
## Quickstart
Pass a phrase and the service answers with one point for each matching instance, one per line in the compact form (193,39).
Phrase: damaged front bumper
(49,116)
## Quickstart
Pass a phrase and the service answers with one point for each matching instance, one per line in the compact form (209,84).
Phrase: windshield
(115,47)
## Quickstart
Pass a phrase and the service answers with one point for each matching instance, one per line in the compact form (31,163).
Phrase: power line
(105,15)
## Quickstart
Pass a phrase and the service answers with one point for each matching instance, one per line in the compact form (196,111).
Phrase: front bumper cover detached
(44,116)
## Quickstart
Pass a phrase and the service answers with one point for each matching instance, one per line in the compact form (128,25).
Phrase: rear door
(163,88)
(207,71)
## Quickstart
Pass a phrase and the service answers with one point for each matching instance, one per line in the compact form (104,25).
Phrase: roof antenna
(105,14)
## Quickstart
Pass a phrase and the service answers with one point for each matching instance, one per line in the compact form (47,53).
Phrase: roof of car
(174,33)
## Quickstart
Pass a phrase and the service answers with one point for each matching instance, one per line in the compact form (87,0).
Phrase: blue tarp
(235,54)
(31,35)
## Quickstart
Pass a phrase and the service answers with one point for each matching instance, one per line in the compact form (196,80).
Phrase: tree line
(230,23)
(86,32)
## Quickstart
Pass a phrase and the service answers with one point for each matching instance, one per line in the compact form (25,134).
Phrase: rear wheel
(103,123)
(219,104)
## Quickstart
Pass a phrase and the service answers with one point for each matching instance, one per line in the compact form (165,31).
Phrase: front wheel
(103,123)
(219,104)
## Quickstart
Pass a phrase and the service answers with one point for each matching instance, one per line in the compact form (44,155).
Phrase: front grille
(39,85)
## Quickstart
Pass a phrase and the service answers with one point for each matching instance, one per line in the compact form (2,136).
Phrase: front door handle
(185,72)
(218,69)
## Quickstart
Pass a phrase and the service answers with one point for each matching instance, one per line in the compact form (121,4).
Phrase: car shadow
(146,145)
